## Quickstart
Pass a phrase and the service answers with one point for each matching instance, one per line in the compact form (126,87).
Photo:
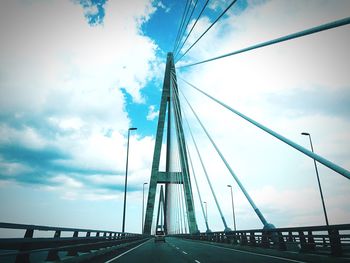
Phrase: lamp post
(126,177)
(143,204)
(206,211)
(233,207)
(318,178)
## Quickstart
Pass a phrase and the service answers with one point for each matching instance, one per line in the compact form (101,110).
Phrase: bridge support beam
(169,177)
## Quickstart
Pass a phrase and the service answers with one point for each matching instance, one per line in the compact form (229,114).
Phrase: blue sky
(71,85)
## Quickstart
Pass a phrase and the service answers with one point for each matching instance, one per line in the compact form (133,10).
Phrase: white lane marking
(184,252)
(253,253)
(108,261)
(197,261)
(177,248)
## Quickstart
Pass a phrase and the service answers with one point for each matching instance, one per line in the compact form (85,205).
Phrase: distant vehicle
(159,236)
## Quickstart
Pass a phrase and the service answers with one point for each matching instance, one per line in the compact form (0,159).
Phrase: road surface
(176,250)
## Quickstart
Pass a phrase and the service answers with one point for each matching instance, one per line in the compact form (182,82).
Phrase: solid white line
(184,252)
(253,253)
(108,261)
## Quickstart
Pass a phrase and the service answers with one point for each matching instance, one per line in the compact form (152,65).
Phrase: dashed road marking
(197,261)
(108,261)
(184,252)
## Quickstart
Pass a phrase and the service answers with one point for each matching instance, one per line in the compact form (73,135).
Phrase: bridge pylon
(170,176)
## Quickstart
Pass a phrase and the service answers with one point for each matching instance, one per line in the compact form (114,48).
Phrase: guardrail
(68,241)
(332,240)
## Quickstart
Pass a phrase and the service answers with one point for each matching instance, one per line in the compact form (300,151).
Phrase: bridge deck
(180,250)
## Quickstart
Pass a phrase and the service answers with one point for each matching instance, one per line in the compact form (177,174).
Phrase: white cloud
(13,168)
(66,181)
(218,5)
(62,81)
(152,114)
(55,59)
(27,136)
(74,123)
(164,7)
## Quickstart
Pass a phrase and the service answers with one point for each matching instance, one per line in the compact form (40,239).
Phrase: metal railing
(69,242)
(329,240)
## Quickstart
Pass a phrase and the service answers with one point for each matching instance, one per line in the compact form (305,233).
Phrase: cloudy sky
(74,75)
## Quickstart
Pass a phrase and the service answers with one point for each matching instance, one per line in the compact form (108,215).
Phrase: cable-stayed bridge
(170,208)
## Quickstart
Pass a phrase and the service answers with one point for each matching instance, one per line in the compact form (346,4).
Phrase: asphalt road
(179,250)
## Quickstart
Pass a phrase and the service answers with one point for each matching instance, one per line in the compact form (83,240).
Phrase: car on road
(159,236)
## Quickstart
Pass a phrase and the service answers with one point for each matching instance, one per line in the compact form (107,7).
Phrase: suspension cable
(185,27)
(216,20)
(296,146)
(199,194)
(197,19)
(178,208)
(181,150)
(179,175)
(209,182)
(184,14)
(179,196)
(177,110)
(334,24)
(250,200)
(179,191)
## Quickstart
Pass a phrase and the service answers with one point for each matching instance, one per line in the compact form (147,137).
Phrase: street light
(318,178)
(126,177)
(233,207)
(143,204)
(206,211)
